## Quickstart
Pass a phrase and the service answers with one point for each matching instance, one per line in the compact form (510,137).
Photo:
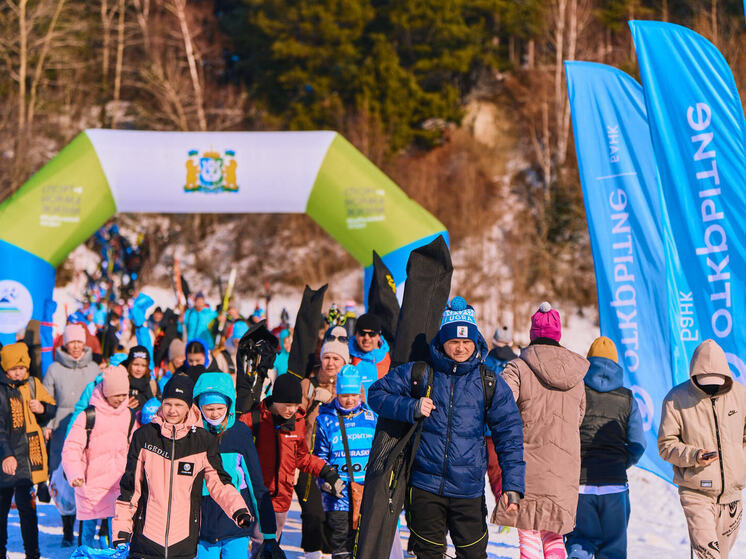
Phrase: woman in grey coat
(65,380)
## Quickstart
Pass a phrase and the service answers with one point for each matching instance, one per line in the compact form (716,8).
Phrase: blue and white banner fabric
(620,190)
(697,128)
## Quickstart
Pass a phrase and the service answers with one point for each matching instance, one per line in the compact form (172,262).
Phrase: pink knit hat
(73,333)
(116,381)
(546,323)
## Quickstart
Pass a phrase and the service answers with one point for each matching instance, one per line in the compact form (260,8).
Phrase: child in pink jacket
(95,452)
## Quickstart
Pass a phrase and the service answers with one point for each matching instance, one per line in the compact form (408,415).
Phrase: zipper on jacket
(720,451)
(277,462)
(170,490)
(448,432)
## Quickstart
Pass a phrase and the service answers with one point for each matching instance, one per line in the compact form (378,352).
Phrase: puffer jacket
(65,380)
(547,383)
(451,460)
(372,364)
(240,461)
(611,435)
(282,451)
(102,464)
(20,430)
(360,427)
(161,490)
(692,420)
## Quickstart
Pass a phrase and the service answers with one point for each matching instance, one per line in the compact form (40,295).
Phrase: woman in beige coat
(547,383)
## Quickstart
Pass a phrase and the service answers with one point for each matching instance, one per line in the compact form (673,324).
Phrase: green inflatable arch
(102,172)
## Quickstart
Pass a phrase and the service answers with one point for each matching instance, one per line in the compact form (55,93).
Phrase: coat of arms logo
(211,171)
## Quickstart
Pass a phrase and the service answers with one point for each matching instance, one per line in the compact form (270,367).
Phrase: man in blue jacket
(611,440)
(447,482)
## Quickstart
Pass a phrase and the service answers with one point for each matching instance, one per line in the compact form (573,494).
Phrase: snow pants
(713,527)
(430,516)
(88,529)
(601,527)
(232,548)
(313,518)
(340,533)
(26,505)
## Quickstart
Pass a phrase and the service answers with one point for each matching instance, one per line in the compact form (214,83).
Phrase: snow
(656,529)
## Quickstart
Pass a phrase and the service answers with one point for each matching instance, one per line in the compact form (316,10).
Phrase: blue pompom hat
(459,322)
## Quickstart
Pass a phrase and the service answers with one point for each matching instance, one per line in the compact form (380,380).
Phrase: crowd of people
(187,434)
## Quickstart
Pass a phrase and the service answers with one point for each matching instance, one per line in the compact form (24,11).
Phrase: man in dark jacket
(611,440)
(447,482)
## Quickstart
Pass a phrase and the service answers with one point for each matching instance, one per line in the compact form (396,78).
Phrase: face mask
(216,422)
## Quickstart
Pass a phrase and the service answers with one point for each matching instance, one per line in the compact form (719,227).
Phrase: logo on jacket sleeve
(706,483)
(186,469)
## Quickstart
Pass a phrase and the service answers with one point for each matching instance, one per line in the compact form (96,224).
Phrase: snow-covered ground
(657,528)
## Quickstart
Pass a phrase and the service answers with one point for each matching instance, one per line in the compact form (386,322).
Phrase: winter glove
(243,518)
(513,497)
(332,484)
(42,493)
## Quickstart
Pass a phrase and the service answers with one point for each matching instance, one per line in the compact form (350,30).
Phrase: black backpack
(90,421)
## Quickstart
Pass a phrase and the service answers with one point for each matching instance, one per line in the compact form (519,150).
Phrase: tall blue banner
(620,190)
(697,128)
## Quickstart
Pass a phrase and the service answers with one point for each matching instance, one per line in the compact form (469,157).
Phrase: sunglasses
(368,333)
(332,337)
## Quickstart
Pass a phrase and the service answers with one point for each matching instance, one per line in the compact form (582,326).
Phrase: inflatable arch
(102,172)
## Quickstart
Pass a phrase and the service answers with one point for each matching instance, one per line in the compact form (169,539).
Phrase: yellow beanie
(604,347)
(15,355)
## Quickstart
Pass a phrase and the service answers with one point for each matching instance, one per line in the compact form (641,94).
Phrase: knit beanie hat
(116,381)
(180,387)
(287,390)
(458,322)
(503,335)
(349,380)
(139,352)
(207,398)
(368,321)
(332,343)
(546,323)
(604,347)
(177,348)
(73,333)
(15,355)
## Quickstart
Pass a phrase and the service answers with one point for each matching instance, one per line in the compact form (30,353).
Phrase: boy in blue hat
(344,434)
(446,491)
